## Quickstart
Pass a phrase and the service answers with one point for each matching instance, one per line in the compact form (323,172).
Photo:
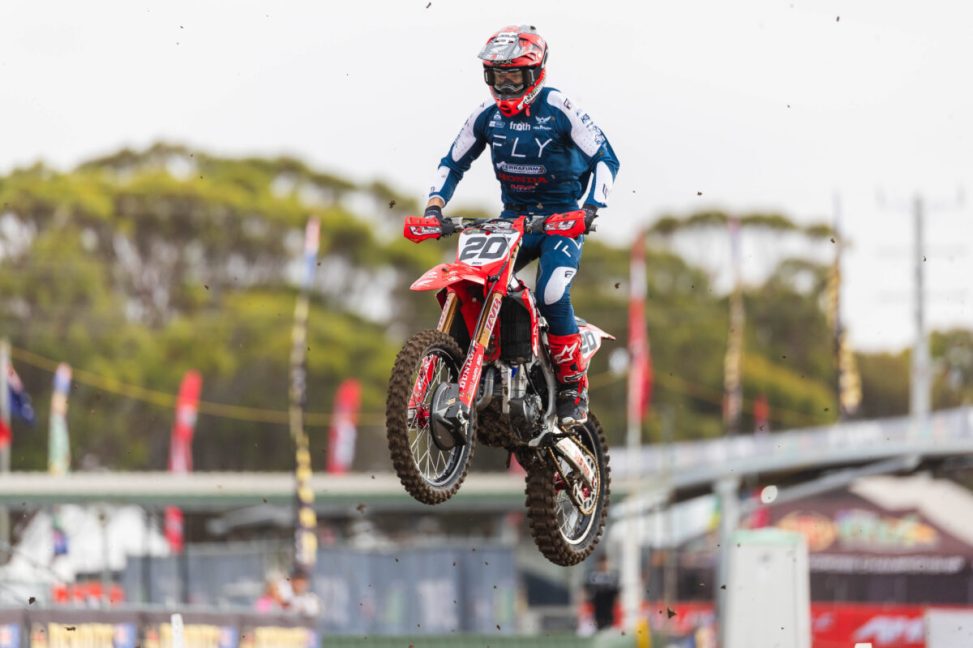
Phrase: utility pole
(666,515)
(733,360)
(920,384)
(631,558)
(920,396)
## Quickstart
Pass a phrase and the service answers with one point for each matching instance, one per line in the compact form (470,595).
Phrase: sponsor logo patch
(527,169)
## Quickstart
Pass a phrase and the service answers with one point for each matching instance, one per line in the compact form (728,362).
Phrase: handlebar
(570,224)
(534,224)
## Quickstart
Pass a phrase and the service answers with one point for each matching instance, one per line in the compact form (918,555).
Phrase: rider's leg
(559,261)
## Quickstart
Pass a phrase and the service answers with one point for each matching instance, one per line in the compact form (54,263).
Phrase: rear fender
(591,339)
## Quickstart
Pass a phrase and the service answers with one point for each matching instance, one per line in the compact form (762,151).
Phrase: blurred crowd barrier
(132,628)
(436,590)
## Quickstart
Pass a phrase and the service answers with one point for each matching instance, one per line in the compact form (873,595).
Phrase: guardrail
(688,464)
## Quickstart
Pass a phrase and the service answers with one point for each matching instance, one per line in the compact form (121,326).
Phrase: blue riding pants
(560,258)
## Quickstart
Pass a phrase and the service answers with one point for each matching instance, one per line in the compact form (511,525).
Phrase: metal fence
(417,590)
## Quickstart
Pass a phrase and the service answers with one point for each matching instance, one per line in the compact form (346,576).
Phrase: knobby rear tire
(543,510)
(405,463)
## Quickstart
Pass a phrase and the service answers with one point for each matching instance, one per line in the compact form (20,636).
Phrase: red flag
(181,449)
(341,438)
(640,369)
(761,414)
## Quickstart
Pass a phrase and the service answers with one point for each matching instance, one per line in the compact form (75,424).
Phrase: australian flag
(19,399)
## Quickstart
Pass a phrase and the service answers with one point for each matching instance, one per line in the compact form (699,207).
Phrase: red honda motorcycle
(484,374)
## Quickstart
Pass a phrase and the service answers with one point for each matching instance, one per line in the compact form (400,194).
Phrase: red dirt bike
(485,374)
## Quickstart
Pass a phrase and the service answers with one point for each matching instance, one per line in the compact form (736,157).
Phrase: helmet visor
(505,46)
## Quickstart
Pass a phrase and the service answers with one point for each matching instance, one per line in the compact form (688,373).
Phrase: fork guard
(449,418)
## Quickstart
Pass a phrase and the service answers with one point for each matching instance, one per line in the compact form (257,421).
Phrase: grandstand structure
(821,456)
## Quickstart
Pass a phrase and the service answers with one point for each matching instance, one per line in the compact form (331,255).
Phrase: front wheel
(430,472)
(564,532)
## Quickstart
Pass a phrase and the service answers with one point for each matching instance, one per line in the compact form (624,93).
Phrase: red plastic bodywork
(469,284)
(447,274)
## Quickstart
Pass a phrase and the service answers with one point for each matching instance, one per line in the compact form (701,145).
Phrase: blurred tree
(885,384)
(139,265)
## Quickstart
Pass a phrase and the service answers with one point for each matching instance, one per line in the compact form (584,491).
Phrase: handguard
(420,228)
(570,224)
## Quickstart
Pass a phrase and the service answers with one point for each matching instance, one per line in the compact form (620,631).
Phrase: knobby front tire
(429,474)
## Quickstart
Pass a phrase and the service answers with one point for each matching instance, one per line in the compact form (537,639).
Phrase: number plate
(483,248)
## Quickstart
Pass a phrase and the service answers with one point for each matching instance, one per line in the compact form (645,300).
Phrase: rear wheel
(562,530)
(430,474)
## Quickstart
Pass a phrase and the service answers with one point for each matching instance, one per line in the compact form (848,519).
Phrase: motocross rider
(546,152)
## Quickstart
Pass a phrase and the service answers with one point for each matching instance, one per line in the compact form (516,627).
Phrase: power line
(323,419)
(167,400)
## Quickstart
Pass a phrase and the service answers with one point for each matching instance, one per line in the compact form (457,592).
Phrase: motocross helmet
(516,47)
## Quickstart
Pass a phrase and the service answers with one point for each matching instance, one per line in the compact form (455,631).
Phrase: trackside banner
(833,625)
(81,628)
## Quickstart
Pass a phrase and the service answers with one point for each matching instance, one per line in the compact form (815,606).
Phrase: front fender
(446,274)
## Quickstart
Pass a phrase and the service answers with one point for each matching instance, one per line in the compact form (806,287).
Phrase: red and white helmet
(516,47)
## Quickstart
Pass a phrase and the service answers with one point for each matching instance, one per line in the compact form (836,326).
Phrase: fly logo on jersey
(518,148)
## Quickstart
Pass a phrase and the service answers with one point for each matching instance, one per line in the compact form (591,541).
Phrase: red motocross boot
(572,377)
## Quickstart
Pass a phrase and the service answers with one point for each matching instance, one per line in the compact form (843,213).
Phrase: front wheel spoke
(438,377)
(437,463)
(430,461)
(423,460)
(432,371)
(416,446)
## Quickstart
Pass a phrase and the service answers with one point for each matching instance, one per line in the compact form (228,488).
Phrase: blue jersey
(544,158)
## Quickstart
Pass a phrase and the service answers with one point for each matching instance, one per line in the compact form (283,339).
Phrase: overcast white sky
(758,104)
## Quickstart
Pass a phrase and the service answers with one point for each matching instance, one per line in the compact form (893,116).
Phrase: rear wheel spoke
(562,531)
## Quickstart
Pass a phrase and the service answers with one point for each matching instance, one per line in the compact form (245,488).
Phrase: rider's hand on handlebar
(590,214)
(447,226)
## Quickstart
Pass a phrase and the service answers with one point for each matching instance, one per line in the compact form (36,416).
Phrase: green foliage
(885,384)
(139,265)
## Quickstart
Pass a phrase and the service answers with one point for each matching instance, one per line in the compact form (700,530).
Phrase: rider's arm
(593,145)
(465,148)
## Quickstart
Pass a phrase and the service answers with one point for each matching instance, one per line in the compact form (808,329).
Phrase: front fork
(469,377)
(431,363)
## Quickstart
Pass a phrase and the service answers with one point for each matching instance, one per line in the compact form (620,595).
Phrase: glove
(590,214)
(435,211)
